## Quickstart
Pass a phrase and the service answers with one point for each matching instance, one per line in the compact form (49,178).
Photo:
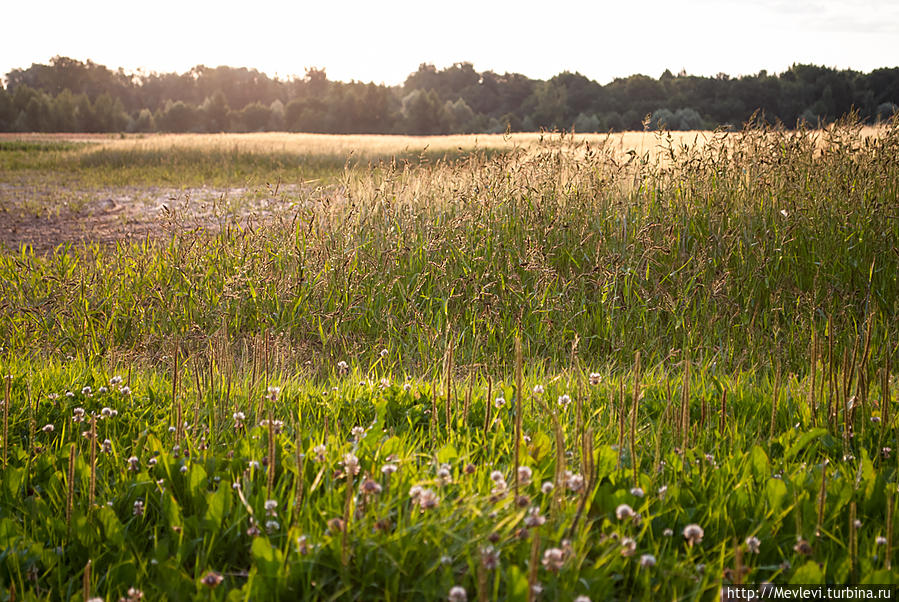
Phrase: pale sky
(385,41)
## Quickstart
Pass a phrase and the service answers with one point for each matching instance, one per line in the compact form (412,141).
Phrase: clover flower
(533,518)
(624,511)
(524,474)
(211,579)
(693,534)
(489,557)
(351,464)
(553,559)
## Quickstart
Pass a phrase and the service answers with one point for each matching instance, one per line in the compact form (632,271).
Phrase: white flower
(78,415)
(647,560)
(533,518)
(499,402)
(637,492)
(358,432)
(575,482)
(693,534)
(427,499)
(668,532)
(582,599)
(133,463)
(457,594)
(370,486)
(342,367)
(538,389)
(125,390)
(138,508)
(384,353)
(115,380)
(496,476)
(524,474)
(547,487)
(594,378)
(106,448)
(319,451)
(48,428)
(271,526)
(273,393)
(752,544)
(553,559)
(271,507)
(86,391)
(880,540)
(489,557)
(624,511)
(628,547)
(564,400)
(351,464)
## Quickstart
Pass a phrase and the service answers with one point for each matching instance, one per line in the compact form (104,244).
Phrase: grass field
(259,367)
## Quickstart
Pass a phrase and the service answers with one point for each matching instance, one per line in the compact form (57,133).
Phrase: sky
(385,41)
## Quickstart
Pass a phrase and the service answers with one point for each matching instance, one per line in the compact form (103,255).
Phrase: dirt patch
(45,216)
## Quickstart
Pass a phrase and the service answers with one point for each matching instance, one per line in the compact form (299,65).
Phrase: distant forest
(67,95)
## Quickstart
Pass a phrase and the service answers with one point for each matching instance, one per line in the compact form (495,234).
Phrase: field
(527,367)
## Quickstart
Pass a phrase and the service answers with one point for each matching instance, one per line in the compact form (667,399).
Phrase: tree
(423,112)
(216,112)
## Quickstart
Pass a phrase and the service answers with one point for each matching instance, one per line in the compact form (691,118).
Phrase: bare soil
(46,216)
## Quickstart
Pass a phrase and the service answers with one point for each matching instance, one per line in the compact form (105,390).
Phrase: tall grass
(736,250)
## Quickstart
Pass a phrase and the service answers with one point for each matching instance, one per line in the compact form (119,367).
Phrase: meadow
(526,367)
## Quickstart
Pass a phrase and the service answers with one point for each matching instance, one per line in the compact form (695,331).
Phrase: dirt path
(45,216)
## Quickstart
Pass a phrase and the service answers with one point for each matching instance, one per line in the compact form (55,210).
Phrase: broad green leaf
(776,492)
(808,574)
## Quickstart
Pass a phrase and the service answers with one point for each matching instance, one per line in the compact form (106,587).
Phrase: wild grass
(707,337)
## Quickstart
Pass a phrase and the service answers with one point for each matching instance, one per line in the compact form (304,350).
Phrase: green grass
(756,277)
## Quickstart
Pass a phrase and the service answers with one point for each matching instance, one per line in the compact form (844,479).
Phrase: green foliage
(436,100)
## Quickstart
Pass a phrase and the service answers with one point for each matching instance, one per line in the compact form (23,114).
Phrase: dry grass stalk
(633,431)
(532,567)
(468,392)
(488,405)
(889,527)
(814,369)
(449,381)
(853,543)
(685,405)
(519,410)
(270,484)
(86,582)
(774,399)
(70,497)
(6,402)
(301,466)
(175,400)
(93,482)
(822,498)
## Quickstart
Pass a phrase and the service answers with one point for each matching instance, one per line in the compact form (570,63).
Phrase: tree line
(68,95)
